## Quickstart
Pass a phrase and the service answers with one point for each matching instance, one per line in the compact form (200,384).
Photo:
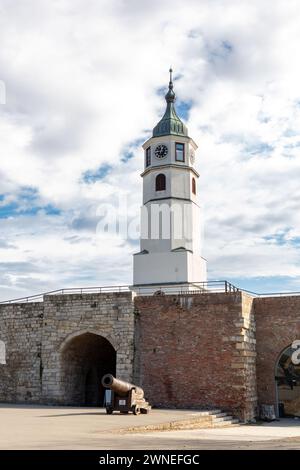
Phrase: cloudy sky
(84,86)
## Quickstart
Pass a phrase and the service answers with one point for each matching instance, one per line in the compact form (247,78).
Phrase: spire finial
(170,96)
(171,78)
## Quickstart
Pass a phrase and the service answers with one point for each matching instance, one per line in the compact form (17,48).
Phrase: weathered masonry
(58,350)
(200,350)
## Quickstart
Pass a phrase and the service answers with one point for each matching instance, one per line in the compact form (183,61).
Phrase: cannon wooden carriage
(124,397)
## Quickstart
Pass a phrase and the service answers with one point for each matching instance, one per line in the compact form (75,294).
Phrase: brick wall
(190,350)
(278,325)
(197,351)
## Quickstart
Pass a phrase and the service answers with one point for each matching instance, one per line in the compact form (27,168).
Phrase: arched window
(160,182)
(2,353)
(194,186)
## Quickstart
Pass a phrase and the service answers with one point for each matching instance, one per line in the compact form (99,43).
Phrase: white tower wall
(170,245)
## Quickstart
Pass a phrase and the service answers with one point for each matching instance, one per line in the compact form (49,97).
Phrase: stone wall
(278,325)
(37,335)
(197,351)
(70,316)
(21,331)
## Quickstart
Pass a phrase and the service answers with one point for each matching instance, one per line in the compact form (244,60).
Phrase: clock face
(192,157)
(161,151)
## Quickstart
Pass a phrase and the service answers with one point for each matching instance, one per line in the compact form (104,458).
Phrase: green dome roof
(170,122)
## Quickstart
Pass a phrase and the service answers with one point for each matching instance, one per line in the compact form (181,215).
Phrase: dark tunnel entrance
(85,359)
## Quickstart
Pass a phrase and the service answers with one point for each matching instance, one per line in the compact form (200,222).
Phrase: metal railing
(271,294)
(70,290)
(168,288)
(152,289)
(186,288)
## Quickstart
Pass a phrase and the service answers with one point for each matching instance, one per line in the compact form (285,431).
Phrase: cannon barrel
(119,386)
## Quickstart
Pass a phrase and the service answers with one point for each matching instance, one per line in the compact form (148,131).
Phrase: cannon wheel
(136,410)
(109,411)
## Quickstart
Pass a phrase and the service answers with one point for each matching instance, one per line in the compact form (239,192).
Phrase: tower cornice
(170,165)
(177,138)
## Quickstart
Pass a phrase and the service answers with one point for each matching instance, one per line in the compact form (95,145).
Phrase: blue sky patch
(91,176)
(281,239)
(15,210)
(183,109)
(127,153)
(277,238)
(260,148)
(127,156)
(26,203)
(265,285)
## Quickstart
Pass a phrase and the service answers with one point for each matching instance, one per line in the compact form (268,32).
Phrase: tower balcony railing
(195,288)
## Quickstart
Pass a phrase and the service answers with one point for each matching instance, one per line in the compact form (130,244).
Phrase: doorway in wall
(84,361)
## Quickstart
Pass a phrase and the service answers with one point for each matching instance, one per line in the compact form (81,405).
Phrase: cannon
(124,397)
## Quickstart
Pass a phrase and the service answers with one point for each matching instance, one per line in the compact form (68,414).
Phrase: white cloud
(81,86)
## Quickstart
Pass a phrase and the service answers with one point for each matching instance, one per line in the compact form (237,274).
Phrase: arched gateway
(85,358)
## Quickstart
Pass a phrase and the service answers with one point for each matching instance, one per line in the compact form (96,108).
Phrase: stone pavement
(48,427)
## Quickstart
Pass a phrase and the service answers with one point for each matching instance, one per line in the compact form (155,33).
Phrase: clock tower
(170,244)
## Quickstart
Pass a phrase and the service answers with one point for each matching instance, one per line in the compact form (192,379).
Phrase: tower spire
(170,96)
(171,80)
(170,123)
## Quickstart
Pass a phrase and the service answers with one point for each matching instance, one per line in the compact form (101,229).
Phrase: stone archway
(85,358)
